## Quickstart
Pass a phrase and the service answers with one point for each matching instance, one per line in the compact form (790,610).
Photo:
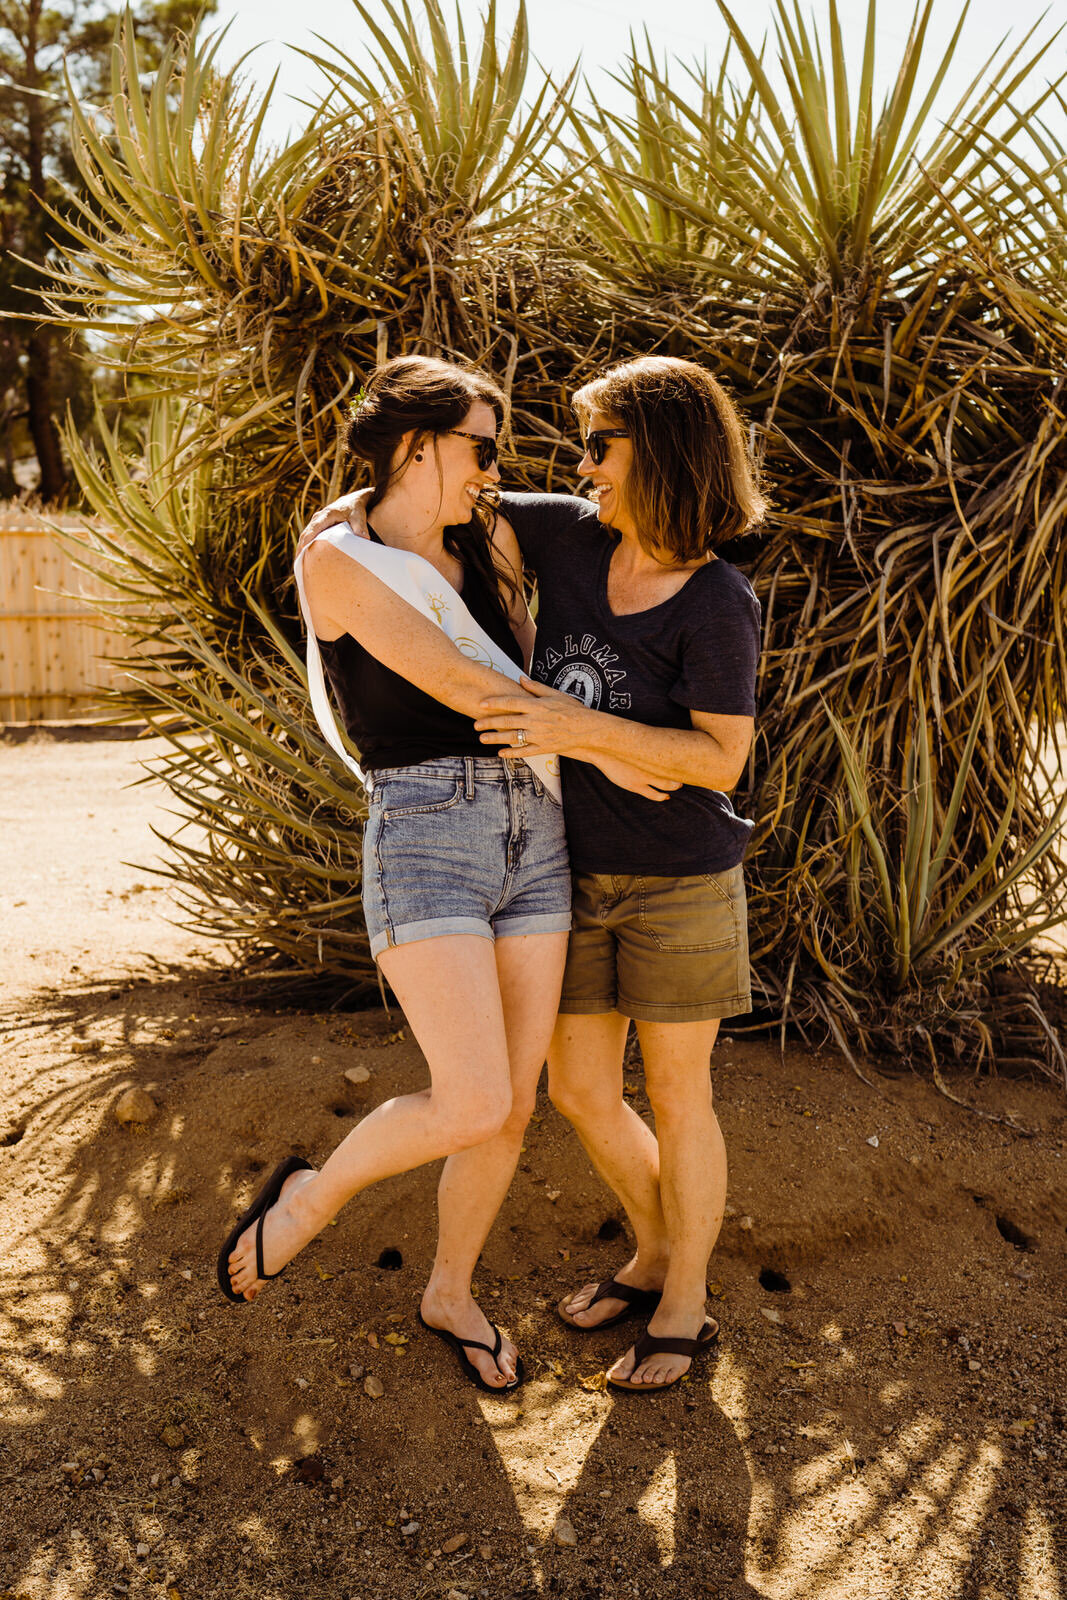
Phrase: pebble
(355,1371)
(974,1366)
(410,1529)
(564,1533)
(301,1383)
(747,1224)
(142,1549)
(485,1551)
(770,1314)
(450,1546)
(873,1141)
(457,1594)
(357,1075)
(136,1105)
(172,1437)
(373,1386)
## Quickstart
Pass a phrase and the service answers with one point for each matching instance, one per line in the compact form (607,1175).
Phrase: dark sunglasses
(596,445)
(486,446)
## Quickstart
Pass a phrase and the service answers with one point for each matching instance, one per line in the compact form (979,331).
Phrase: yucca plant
(885,293)
(253,290)
(883,288)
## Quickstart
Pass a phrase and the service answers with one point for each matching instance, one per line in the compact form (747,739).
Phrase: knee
(674,1100)
(477,1116)
(577,1101)
(518,1117)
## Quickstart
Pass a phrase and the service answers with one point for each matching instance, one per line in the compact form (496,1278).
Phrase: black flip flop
(262,1203)
(650,1345)
(471,1371)
(639,1303)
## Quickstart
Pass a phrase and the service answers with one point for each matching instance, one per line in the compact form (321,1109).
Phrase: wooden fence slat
(53,653)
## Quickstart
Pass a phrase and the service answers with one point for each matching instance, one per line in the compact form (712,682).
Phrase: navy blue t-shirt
(696,651)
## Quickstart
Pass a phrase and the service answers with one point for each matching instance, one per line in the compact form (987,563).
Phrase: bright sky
(598,30)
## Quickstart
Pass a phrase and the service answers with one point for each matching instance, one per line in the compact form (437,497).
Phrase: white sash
(420,584)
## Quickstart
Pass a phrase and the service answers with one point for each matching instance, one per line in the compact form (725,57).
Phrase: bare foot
(467,1320)
(287,1227)
(635,1275)
(660,1368)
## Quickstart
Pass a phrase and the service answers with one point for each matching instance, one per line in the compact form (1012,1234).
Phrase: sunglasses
(596,444)
(486,446)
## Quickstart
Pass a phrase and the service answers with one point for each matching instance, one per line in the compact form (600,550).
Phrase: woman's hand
(633,779)
(554,724)
(558,724)
(350,509)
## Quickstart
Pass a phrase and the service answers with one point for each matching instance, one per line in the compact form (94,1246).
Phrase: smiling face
(609,476)
(456,459)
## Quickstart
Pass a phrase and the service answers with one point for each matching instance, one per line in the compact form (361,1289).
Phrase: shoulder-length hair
(691,485)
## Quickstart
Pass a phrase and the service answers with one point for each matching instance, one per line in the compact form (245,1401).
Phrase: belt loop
(468,777)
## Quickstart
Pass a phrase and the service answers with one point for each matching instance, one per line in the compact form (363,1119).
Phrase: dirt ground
(885,1418)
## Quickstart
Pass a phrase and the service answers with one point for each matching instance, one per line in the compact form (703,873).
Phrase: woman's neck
(631,558)
(406,526)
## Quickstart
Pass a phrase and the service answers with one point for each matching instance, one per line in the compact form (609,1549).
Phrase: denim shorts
(658,949)
(463,844)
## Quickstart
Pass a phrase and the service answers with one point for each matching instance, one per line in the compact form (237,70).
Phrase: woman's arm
(712,754)
(343,597)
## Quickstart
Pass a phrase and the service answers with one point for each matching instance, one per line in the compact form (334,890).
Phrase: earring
(418,455)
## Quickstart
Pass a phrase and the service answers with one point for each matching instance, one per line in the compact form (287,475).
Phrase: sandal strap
(612,1289)
(476,1344)
(650,1345)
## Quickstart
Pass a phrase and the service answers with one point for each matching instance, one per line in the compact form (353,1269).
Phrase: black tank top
(389,720)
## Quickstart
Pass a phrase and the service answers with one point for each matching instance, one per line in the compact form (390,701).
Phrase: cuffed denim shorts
(463,844)
(658,949)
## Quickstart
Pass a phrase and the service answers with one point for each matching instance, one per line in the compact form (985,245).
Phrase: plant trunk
(40,345)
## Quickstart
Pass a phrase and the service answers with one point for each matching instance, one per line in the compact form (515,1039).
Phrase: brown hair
(691,485)
(426,397)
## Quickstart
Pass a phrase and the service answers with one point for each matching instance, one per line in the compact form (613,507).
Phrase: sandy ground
(885,1418)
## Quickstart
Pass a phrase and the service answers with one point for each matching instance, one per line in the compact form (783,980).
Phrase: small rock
(457,1594)
(172,1437)
(68,1466)
(873,1141)
(450,1546)
(564,1533)
(485,1551)
(373,1386)
(301,1383)
(771,1314)
(974,1366)
(747,1224)
(357,1075)
(142,1549)
(136,1105)
(355,1371)
(409,1530)
(316,1061)
(85,1047)
(153,1482)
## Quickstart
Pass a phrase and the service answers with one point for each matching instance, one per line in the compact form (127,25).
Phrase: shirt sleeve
(719,659)
(542,522)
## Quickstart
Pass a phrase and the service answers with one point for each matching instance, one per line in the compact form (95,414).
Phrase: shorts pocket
(418,797)
(687,916)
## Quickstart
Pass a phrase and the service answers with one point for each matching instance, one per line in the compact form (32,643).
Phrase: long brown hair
(424,396)
(691,485)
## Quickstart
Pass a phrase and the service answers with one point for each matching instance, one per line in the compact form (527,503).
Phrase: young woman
(466,882)
(646,652)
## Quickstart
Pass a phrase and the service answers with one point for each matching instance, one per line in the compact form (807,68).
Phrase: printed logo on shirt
(585,669)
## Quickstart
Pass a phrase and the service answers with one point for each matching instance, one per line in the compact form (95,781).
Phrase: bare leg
(585,1082)
(450,994)
(475,1181)
(692,1181)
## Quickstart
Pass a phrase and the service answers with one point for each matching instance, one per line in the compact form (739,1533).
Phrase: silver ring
(520,737)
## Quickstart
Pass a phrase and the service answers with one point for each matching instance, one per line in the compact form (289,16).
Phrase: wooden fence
(53,646)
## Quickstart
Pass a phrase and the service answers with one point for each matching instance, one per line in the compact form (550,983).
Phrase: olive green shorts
(658,949)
